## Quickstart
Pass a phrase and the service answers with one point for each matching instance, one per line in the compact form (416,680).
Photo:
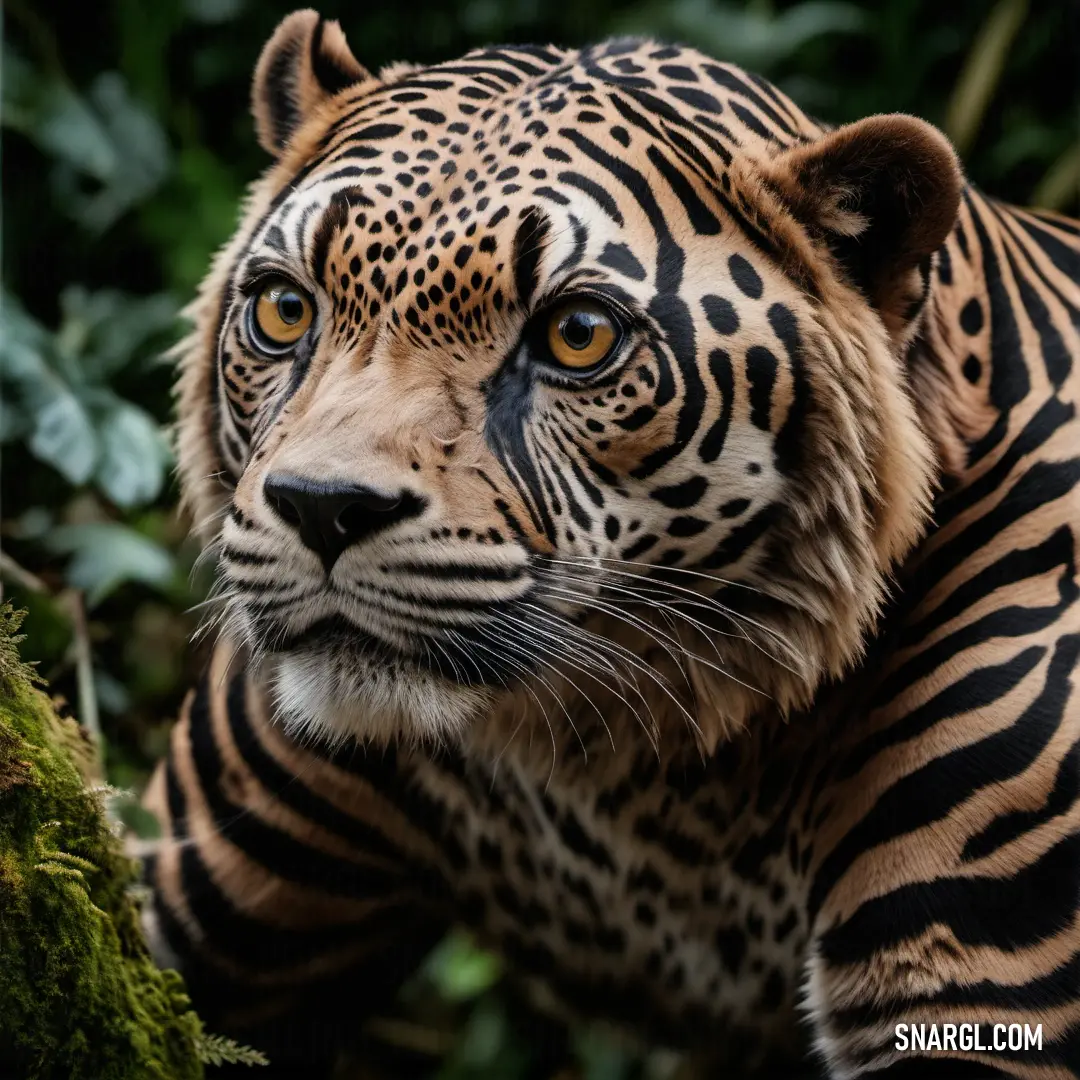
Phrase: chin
(334,695)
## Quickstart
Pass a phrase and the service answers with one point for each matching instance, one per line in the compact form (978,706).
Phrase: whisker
(672,609)
(577,667)
(532,693)
(652,633)
(584,640)
(697,596)
(591,560)
(530,656)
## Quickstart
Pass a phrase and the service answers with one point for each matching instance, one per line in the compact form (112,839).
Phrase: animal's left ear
(305,62)
(881,194)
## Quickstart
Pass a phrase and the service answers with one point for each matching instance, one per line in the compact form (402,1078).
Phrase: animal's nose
(331,517)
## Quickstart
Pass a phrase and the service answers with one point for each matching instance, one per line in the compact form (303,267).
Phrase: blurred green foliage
(126,148)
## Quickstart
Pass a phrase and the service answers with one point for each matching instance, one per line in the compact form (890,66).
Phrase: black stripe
(703,220)
(1052,415)
(720,369)
(1056,988)
(1009,381)
(528,246)
(279,852)
(734,84)
(789,439)
(1056,550)
(291,789)
(1013,621)
(974,690)
(514,61)
(930,792)
(741,539)
(458,571)
(1008,827)
(667,308)
(1004,912)
(327,74)
(1064,256)
(1044,483)
(598,194)
(1056,356)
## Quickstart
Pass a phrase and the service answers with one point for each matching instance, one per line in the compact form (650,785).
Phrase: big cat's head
(526,359)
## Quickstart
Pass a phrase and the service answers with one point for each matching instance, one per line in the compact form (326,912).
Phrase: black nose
(332,517)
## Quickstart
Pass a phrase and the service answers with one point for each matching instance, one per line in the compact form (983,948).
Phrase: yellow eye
(282,313)
(581,333)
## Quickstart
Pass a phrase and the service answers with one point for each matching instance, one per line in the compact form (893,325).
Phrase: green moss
(79,995)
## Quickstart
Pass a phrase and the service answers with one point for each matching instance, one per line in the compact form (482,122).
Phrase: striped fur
(729,693)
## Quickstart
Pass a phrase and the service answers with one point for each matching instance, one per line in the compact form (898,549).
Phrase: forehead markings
(528,245)
(667,308)
(704,221)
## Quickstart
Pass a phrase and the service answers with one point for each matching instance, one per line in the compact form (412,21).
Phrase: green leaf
(484,1035)
(461,971)
(105,137)
(64,437)
(602,1058)
(104,555)
(757,39)
(982,72)
(218,1050)
(214,11)
(105,330)
(134,456)
(14,423)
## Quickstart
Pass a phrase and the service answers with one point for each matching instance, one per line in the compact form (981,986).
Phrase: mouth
(333,683)
(466,656)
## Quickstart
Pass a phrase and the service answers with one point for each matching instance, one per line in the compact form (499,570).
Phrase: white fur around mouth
(333,694)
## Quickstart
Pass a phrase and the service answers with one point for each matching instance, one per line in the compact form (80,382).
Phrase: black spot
(639,546)
(745,277)
(972,369)
(971,317)
(678,71)
(734,508)
(490,854)
(645,913)
(697,99)
(620,258)
(638,418)
(783,929)
(731,944)
(721,314)
(686,526)
(681,496)
(772,996)
(646,879)
(761,368)
(378,131)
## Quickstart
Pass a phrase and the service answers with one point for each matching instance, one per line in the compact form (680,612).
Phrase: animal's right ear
(306,62)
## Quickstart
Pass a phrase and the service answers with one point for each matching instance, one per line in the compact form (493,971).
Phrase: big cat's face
(506,345)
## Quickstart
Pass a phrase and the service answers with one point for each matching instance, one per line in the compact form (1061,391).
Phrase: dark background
(126,148)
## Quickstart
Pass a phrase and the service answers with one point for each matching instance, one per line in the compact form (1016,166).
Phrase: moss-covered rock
(80,997)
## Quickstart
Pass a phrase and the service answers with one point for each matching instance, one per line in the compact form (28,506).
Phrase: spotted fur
(729,690)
